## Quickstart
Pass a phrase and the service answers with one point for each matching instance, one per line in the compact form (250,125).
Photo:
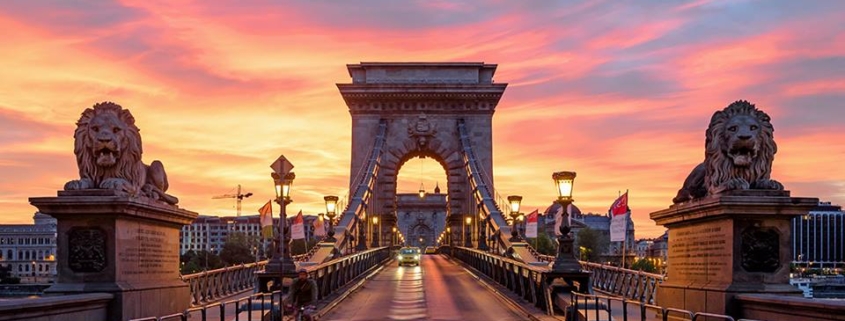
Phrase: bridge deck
(437,290)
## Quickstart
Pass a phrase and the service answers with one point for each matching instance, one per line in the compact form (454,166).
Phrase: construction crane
(240,197)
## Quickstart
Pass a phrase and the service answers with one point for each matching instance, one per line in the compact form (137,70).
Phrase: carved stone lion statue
(108,152)
(739,150)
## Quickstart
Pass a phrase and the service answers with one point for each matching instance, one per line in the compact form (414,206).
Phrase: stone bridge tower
(422,104)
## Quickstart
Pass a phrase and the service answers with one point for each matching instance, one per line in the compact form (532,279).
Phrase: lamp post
(565,260)
(514,201)
(482,232)
(375,231)
(34,276)
(468,229)
(449,234)
(393,237)
(281,259)
(362,232)
(331,208)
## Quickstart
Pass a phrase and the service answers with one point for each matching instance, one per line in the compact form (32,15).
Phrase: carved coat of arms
(421,131)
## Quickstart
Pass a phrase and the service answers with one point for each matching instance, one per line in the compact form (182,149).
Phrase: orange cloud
(220,91)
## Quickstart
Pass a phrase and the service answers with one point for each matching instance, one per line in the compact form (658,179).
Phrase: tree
(592,243)
(544,245)
(298,247)
(645,265)
(237,249)
(6,275)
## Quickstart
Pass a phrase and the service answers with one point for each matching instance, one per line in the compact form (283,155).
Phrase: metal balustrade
(599,307)
(531,283)
(208,286)
(630,284)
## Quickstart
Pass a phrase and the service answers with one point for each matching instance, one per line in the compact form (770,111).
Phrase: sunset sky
(620,93)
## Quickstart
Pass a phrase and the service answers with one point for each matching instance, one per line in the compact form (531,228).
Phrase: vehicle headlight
(399,257)
(416,257)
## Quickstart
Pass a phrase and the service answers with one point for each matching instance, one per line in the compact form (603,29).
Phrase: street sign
(282,166)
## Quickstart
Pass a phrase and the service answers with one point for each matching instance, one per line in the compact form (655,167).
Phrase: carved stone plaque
(760,250)
(87,250)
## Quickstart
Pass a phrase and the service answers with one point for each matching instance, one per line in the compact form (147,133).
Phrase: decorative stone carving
(108,152)
(421,131)
(87,250)
(759,250)
(739,150)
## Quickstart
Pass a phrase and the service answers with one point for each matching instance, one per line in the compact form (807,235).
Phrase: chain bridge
(444,111)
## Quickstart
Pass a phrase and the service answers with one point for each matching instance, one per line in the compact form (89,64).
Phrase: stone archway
(422,104)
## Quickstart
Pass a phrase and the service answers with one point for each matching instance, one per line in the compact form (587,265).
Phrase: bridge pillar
(122,245)
(728,244)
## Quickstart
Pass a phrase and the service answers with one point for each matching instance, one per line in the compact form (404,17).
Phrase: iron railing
(330,277)
(589,307)
(208,286)
(635,285)
(529,282)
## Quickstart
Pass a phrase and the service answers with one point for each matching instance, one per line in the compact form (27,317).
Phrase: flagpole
(625,241)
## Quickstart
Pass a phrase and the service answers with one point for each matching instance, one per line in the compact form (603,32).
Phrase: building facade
(818,238)
(421,220)
(209,233)
(29,250)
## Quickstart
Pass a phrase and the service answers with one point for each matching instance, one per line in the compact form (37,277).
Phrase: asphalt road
(436,290)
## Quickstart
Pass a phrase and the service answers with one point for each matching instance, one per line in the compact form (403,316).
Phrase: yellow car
(409,255)
(430,250)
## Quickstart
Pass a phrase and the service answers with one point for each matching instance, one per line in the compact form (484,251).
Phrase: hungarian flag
(265,215)
(531,224)
(319,227)
(620,206)
(297,227)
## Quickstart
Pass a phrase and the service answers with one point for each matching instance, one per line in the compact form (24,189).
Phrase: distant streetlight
(35,276)
(515,201)
(565,260)
(468,232)
(331,207)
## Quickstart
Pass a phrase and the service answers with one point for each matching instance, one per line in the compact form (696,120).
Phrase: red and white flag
(619,212)
(297,227)
(319,226)
(620,206)
(265,219)
(531,224)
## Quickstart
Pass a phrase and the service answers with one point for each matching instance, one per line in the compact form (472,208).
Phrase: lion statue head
(739,150)
(108,152)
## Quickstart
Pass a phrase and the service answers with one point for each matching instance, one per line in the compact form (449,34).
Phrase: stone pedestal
(122,245)
(728,244)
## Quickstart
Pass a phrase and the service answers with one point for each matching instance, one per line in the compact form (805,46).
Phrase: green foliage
(6,275)
(298,247)
(238,249)
(193,262)
(645,265)
(592,244)
(544,244)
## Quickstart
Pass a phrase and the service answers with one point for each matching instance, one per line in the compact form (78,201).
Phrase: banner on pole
(531,224)
(618,227)
(297,228)
(319,227)
(265,215)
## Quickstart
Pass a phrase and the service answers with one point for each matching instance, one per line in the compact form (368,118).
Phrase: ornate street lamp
(514,201)
(281,256)
(331,208)
(468,233)
(375,231)
(565,260)
(449,233)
